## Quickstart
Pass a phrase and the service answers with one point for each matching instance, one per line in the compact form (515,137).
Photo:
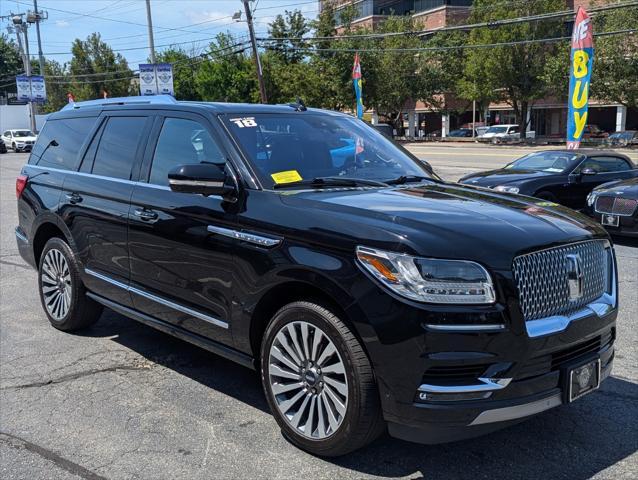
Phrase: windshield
(556,162)
(287,148)
(23,133)
(497,130)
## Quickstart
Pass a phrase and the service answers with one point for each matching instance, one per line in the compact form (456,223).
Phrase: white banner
(148,84)
(24,88)
(38,89)
(164,76)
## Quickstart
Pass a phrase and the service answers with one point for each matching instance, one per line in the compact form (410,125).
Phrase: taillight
(21,182)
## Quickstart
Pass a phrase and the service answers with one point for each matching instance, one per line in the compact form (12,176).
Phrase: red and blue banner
(358,87)
(582,60)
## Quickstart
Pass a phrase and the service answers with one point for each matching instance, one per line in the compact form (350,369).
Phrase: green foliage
(10,63)
(95,56)
(293,26)
(228,75)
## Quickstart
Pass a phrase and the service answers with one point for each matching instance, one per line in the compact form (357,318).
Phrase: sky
(122,23)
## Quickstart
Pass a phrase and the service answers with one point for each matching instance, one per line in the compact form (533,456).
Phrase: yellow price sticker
(288,176)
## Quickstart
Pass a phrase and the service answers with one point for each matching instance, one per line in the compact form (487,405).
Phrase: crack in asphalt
(73,376)
(16,442)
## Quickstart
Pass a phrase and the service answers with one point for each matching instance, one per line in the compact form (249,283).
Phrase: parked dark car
(385,128)
(364,290)
(594,131)
(3,147)
(623,139)
(615,205)
(561,176)
(461,132)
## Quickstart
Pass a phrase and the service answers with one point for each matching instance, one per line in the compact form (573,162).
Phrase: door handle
(73,197)
(145,214)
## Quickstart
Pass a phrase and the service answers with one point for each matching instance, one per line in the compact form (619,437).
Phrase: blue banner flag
(582,60)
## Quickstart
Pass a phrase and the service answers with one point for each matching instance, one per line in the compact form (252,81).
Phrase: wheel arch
(47,228)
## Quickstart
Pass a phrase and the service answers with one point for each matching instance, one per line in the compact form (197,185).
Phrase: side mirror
(588,171)
(202,178)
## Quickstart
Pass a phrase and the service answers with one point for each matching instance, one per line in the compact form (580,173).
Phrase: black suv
(305,244)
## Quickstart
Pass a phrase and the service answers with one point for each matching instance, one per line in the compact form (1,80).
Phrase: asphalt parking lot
(122,400)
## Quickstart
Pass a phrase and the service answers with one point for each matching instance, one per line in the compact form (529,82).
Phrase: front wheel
(319,382)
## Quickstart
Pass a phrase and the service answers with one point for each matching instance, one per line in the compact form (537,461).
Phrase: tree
(228,75)
(57,83)
(184,72)
(93,56)
(514,74)
(293,26)
(10,64)
(615,70)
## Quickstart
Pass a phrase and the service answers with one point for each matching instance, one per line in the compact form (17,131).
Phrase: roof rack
(138,100)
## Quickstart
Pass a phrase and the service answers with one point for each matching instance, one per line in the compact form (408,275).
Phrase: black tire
(81,311)
(363,421)
(15,149)
(549,196)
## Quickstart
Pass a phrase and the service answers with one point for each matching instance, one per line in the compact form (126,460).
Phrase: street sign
(148,84)
(31,89)
(24,88)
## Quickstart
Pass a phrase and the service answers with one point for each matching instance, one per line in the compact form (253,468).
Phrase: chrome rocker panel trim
(160,300)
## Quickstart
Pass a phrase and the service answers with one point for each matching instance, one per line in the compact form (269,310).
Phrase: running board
(178,332)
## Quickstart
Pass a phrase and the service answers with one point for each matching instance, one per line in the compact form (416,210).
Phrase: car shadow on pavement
(574,442)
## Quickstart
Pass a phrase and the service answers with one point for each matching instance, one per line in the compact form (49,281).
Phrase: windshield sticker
(288,176)
(244,122)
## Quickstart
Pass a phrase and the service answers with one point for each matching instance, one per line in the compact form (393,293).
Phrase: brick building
(548,117)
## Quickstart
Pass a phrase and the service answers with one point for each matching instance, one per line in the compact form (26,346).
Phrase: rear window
(60,141)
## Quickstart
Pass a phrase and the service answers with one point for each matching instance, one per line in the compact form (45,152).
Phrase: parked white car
(19,140)
(497,133)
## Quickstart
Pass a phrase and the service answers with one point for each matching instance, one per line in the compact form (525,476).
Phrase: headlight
(428,279)
(591,198)
(505,188)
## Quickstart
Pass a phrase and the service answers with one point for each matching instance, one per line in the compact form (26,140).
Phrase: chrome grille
(542,279)
(616,205)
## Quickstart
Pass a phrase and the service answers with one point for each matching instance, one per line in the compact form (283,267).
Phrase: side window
(605,164)
(181,142)
(116,152)
(60,141)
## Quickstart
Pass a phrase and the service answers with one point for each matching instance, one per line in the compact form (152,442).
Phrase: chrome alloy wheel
(56,284)
(308,380)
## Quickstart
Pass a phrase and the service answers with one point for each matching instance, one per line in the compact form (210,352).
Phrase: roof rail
(138,100)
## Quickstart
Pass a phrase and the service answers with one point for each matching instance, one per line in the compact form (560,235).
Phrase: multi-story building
(548,117)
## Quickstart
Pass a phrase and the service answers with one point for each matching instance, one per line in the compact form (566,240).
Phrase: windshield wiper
(320,182)
(407,179)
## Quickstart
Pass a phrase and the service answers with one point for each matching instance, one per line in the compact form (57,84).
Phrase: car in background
(3,147)
(19,140)
(560,176)
(623,139)
(384,128)
(615,206)
(499,133)
(462,132)
(480,131)
(594,131)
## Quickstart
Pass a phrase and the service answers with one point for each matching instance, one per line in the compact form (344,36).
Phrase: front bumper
(627,225)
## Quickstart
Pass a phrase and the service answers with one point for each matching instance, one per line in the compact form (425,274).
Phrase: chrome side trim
(197,183)
(492,327)
(160,300)
(20,236)
(486,385)
(557,323)
(260,240)
(518,411)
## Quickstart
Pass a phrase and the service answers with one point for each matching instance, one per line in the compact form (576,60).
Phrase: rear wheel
(319,382)
(544,195)
(62,292)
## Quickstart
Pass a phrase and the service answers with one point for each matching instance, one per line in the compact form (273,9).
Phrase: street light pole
(251,31)
(149,22)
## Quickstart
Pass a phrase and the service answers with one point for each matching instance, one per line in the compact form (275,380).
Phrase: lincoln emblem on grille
(575,276)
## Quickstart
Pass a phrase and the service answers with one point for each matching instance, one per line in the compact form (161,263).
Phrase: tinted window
(116,153)
(182,142)
(69,135)
(552,161)
(605,164)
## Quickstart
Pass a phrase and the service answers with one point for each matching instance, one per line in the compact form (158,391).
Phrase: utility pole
(21,26)
(149,22)
(37,17)
(251,30)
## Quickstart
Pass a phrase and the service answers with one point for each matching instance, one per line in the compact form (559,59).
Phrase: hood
(502,176)
(25,139)
(444,220)
(626,188)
